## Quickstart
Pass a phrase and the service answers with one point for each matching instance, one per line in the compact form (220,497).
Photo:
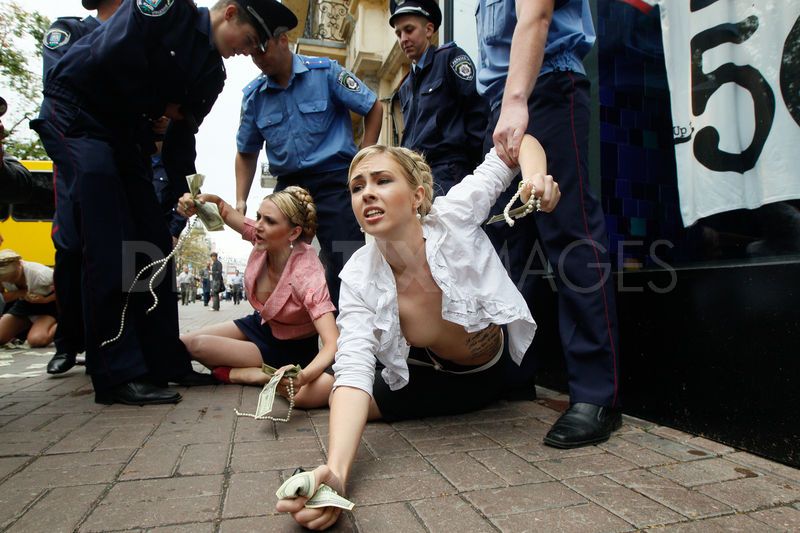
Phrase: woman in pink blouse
(285,283)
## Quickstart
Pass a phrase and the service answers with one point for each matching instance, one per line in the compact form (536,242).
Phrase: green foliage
(18,28)
(195,250)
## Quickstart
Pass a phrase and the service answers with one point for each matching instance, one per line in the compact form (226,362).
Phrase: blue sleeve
(248,137)
(59,37)
(350,91)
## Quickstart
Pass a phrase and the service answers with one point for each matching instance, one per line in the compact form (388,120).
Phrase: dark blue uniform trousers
(448,173)
(116,213)
(338,232)
(573,239)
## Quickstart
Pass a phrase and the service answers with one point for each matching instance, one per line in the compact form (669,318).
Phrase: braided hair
(298,206)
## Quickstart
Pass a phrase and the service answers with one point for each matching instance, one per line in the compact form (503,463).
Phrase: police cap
(423,8)
(268,18)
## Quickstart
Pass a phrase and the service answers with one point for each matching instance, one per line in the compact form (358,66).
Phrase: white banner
(734,74)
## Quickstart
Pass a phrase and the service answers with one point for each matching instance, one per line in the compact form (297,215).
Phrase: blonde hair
(9,260)
(299,208)
(416,169)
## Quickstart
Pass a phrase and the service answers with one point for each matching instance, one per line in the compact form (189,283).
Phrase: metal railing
(326,20)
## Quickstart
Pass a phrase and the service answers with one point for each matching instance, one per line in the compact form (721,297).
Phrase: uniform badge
(463,67)
(55,38)
(348,81)
(154,8)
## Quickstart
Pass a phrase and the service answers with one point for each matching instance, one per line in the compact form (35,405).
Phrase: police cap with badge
(428,9)
(268,17)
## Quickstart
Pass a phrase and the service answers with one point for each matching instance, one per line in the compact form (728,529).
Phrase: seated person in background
(30,297)
(421,307)
(285,283)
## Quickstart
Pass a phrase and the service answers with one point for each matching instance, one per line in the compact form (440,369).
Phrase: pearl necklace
(274,418)
(163,262)
(526,209)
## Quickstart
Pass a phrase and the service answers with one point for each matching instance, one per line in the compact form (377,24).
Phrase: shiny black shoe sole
(588,442)
(110,399)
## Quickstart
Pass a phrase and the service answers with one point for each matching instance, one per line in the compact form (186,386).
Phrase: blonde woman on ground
(285,284)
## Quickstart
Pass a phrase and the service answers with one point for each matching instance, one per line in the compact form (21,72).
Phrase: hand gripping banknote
(208,213)
(302,483)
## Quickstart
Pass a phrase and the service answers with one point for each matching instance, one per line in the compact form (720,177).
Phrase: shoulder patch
(463,67)
(317,62)
(55,38)
(348,81)
(154,8)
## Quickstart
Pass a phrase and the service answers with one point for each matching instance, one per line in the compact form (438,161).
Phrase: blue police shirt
(307,125)
(570,37)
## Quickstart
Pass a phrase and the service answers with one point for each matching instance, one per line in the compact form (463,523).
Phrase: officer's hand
(185,206)
(508,133)
(546,189)
(241,206)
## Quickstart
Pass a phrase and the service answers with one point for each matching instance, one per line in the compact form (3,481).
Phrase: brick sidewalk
(68,464)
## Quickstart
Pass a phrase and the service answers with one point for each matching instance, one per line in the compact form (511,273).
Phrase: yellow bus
(26,227)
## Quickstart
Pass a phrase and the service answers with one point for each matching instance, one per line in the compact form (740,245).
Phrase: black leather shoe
(196,379)
(583,424)
(137,392)
(60,363)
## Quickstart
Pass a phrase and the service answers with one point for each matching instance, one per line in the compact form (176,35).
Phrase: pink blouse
(301,295)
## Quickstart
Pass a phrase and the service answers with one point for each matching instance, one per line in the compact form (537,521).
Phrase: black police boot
(137,392)
(583,424)
(195,379)
(60,363)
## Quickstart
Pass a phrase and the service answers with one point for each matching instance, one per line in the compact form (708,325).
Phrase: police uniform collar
(419,65)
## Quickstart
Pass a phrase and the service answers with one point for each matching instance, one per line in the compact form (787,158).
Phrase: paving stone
(409,424)
(72,469)
(519,432)
(184,528)
(512,468)
(204,459)
(152,461)
(10,464)
(17,443)
(723,524)
(124,418)
(389,518)
(125,437)
(687,502)
(14,500)
(535,409)
(676,450)
(83,439)
(623,502)
(363,453)
(632,421)
(60,510)
(280,523)
(671,434)
(30,422)
(465,472)
(497,412)
(454,444)
(523,498)
(299,426)
(245,494)
(781,518)
(79,402)
(714,447)
(450,513)
(765,465)
(274,455)
(586,518)
(588,465)
(752,493)
(702,472)
(191,433)
(535,450)
(157,502)
(249,430)
(390,490)
(11,407)
(451,431)
(634,453)
(384,445)
(390,468)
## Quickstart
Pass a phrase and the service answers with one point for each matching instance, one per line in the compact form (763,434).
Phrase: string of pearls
(532,203)
(274,418)
(163,262)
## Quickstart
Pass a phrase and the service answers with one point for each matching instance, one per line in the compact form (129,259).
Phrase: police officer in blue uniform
(153,58)
(63,33)
(300,107)
(444,116)
(543,90)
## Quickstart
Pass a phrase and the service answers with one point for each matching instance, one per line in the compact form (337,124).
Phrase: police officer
(444,116)
(63,33)
(153,58)
(300,107)
(542,89)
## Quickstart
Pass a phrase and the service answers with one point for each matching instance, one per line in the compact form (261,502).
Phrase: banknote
(208,213)
(290,373)
(302,483)
(266,397)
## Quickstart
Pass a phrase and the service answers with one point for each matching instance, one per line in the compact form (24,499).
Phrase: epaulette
(445,46)
(254,85)
(317,62)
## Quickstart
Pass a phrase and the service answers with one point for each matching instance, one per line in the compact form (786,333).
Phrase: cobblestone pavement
(67,464)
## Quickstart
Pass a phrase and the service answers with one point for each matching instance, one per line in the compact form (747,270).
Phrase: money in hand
(266,397)
(207,213)
(289,373)
(301,484)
